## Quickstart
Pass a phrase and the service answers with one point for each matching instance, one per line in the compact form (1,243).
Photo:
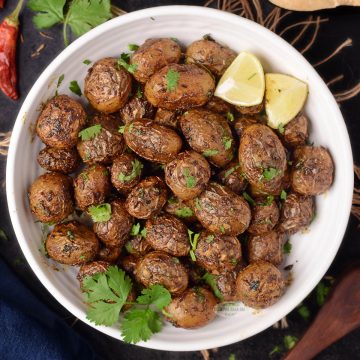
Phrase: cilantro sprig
(193,238)
(211,281)
(172,79)
(124,61)
(100,213)
(90,132)
(136,230)
(137,167)
(189,179)
(80,15)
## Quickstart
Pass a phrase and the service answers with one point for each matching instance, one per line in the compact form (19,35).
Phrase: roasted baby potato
(109,254)
(92,186)
(219,106)
(107,86)
(60,121)
(232,177)
(167,117)
(226,283)
(152,141)
(187,175)
(136,108)
(192,309)
(242,123)
(222,211)
(250,110)
(65,161)
(169,234)
(177,87)
(153,55)
(138,246)
(90,269)
(161,268)
(50,197)
(260,285)
(72,243)
(313,170)
(209,134)
(180,209)
(297,131)
(147,198)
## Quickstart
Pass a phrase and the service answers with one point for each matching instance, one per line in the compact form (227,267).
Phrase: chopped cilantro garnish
(210,152)
(90,132)
(75,88)
(172,78)
(190,180)
(137,167)
(184,212)
(100,213)
(287,247)
(133,47)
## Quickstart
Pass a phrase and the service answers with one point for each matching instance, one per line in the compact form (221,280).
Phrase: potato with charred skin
(107,86)
(217,253)
(212,55)
(267,246)
(265,215)
(297,212)
(126,172)
(116,231)
(209,134)
(153,55)
(180,209)
(128,263)
(72,243)
(262,159)
(242,123)
(152,141)
(92,186)
(297,131)
(187,175)
(50,197)
(60,122)
(169,234)
(313,170)
(232,177)
(138,246)
(106,144)
(167,117)
(260,285)
(226,283)
(222,211)
(161,268)
(90,269)
(219,106)
(194,308)
(109,254)
(250,110)
(180,87)
(136,108)
(65,161)
(147,198)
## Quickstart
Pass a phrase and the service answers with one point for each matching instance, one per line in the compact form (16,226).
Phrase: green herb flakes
(193,238)
(172,79)
(137,167)
(230,116)
(75,88)
(209,239)
(248,198)
(222,229)
(121,129)
(184,212)
(133,47)
(100,213)
(270,173)
(304,312)
(322,291)
(290,341)
(210,152)
(287,247)
(227,142)
(90,132)
(230,171)
(189,179)
(124,60)
(211,281)
(281,129)
(87,62)
(283,195)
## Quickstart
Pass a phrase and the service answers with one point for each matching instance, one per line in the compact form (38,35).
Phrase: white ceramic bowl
(312,252)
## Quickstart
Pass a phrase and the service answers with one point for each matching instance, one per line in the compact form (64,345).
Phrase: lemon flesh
(285,96)
(243,83)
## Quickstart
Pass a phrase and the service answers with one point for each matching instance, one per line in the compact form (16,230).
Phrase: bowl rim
(179,10)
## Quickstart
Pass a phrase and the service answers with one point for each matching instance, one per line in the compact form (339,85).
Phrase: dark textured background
(344,23)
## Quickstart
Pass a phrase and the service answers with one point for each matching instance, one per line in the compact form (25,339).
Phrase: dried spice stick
(9,30)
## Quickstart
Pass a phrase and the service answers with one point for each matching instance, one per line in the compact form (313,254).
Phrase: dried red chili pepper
(9,30)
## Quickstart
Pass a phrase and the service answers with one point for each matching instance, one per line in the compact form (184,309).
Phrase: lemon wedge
(285,96)
(243,83)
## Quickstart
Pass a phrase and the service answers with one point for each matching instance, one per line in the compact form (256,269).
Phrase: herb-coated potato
(297,131)
(60,121)
(242,123)
(136,108)
(72,243)
(167,118)
(106,144)
(187,175)
(92,186)
(226,283)
(265,215)
(222,211)
(177,87)
(313,170)
(262,158)
(161,268)
(267,246)
(147,198)
(109,254)
(138,246)
(126,172)
(153,55)
(194,308)
(169,234)
(297,212)
(128,263)
(107,86)
(152,141)
(260,285)
(250,110)
(115,232)
(60,160)
(217,253)
(50,197)
(232,177)
(90,269)
(180,209)
(219,106)
(209,134)
(210,54)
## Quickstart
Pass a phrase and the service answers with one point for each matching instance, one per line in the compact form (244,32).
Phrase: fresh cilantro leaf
(106,294)
(172,78)
(184,212)
(133,47)
(124,60)
(137,167)
(210,152)
(232,357)
(70,235)
(189,179)
(139,92)
(135,229)
(155,295)
(60,80)
(193,238)
(75,88)
(211,281)
(140,325)
(277,349)
(290,341)
(209,239)
(270,173)
(304,312)
(90,132)
(248,198)
(143,232)
(230,116)
(227,142)
(268,201)
(281,129)
(230,171)
(322,291)
(87,62)
(49,12)
(121,129)
(100,213)
(283,195)
(287,247)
